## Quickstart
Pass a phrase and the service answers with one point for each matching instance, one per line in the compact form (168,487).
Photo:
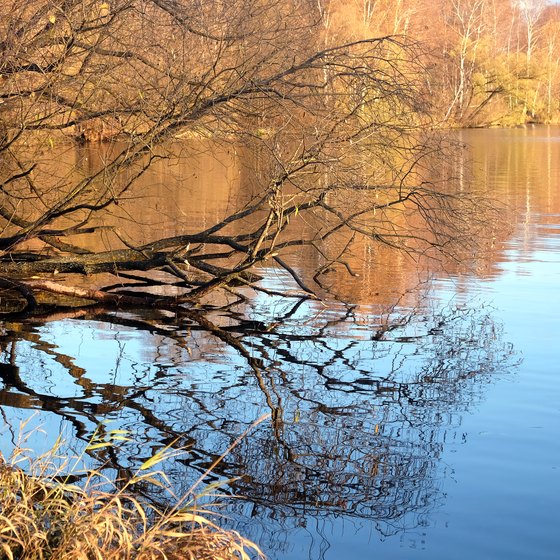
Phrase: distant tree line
(491,62)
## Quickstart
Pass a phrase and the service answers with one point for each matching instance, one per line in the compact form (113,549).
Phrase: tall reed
(45,514)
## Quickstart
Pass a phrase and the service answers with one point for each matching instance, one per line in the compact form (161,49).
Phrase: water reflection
(363,400)
(360,411)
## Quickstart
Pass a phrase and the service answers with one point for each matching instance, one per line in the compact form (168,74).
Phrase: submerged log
(93,295)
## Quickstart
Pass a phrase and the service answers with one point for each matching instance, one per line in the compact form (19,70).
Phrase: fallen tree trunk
(98,296)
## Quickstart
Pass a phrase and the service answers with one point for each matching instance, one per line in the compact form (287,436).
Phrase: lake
(418,419)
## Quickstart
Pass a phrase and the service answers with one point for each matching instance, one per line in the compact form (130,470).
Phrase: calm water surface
(426,429)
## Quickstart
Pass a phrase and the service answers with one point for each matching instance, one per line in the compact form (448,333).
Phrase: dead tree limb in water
(342,136)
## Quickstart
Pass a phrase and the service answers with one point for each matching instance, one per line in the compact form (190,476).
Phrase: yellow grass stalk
(44,517)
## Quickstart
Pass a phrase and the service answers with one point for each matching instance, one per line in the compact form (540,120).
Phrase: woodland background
(492,62)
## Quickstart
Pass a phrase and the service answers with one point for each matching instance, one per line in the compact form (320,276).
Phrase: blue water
(495,484)
(436,438)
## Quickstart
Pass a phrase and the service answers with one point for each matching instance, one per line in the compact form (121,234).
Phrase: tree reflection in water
(361,407)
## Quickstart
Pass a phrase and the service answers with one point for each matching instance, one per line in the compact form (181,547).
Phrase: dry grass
(44,516)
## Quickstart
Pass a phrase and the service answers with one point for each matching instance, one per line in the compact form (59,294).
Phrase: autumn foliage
(491,62)
(341,103)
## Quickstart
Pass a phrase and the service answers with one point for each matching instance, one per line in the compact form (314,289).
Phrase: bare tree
(342,131)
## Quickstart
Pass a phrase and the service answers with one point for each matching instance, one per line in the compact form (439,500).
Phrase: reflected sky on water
(424,426)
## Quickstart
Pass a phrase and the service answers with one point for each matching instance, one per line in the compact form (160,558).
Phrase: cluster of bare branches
(356,437)
(342,132)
